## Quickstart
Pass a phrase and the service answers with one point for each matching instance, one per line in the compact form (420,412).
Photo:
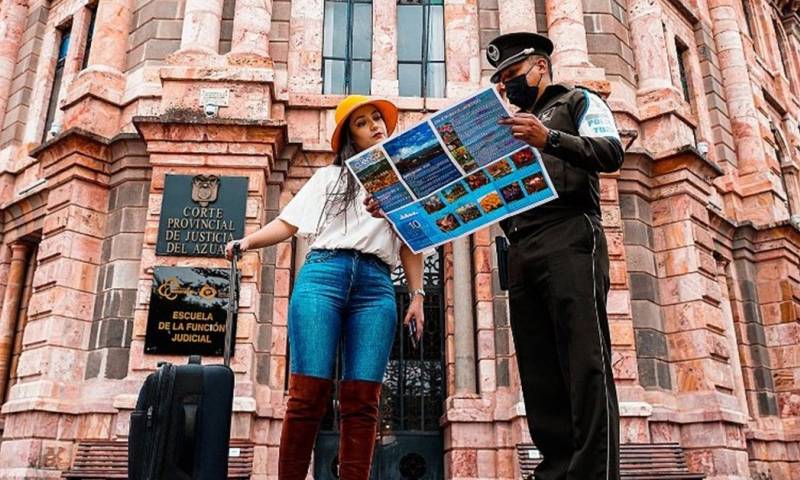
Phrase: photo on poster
(468,212)
(523,158)
(491,202)
(464,159)
(375,173)
(512,192)
(448,223)
(534,183)
(471,133)
(420,160)
(477,180)
(448,133)
(454,192)
(499,169)
(433,203)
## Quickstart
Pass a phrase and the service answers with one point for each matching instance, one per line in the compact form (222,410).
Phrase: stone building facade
(99,100)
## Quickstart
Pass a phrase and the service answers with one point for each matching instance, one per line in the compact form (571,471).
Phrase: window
(778,150)
(682,52)
(89,36)
(748,17)
(683,57)
(420,48)
(63,47)
(779,39)
(785,60)
(347,47)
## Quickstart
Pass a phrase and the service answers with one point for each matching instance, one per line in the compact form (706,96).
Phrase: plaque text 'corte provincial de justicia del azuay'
(200,214)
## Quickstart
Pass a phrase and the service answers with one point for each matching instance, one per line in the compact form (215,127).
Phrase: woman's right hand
(243,244)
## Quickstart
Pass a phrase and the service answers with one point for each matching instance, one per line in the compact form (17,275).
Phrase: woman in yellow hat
(343,292)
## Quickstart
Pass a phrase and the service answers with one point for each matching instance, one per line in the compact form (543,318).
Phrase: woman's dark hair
(343,195)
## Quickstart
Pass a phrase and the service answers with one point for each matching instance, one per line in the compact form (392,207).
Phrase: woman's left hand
(373,207)
(416,313)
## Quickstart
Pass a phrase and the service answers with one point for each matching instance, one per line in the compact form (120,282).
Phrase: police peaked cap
(508,49)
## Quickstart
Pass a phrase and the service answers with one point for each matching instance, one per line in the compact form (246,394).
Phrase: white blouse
(361,232)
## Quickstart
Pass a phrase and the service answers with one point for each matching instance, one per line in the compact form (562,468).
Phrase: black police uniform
(558,283)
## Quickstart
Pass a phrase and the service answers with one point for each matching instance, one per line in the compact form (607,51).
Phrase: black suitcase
(181,426)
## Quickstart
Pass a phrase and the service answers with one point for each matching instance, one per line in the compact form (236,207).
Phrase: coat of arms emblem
(204,189)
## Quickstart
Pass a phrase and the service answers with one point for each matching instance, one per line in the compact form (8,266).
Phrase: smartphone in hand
(412,333)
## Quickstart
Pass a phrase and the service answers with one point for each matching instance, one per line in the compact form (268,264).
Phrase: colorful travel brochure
(454,173)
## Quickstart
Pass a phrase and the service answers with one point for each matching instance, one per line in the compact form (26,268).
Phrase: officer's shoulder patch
(596,119)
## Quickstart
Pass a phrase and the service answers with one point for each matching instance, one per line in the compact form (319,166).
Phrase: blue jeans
(347,295)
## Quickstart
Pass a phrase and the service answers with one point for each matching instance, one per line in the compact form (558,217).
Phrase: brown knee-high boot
(308,399)
(358,408)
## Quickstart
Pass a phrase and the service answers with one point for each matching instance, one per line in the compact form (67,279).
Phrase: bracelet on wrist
(414,293)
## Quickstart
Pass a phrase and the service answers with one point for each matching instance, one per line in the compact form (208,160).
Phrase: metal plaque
(200,214)
(187,311)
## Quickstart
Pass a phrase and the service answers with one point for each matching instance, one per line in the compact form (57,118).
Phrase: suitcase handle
(501,246)
(233,303)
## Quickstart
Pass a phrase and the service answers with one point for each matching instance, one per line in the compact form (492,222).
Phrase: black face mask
(520,93)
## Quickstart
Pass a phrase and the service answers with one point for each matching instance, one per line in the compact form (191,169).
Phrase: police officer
(558,266)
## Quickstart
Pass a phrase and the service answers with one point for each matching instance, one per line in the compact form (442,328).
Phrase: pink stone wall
(18,101)
(705,288)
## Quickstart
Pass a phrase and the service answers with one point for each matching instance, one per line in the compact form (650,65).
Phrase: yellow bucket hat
(350,104)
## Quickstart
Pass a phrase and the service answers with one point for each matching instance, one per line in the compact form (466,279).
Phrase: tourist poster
(454,173)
